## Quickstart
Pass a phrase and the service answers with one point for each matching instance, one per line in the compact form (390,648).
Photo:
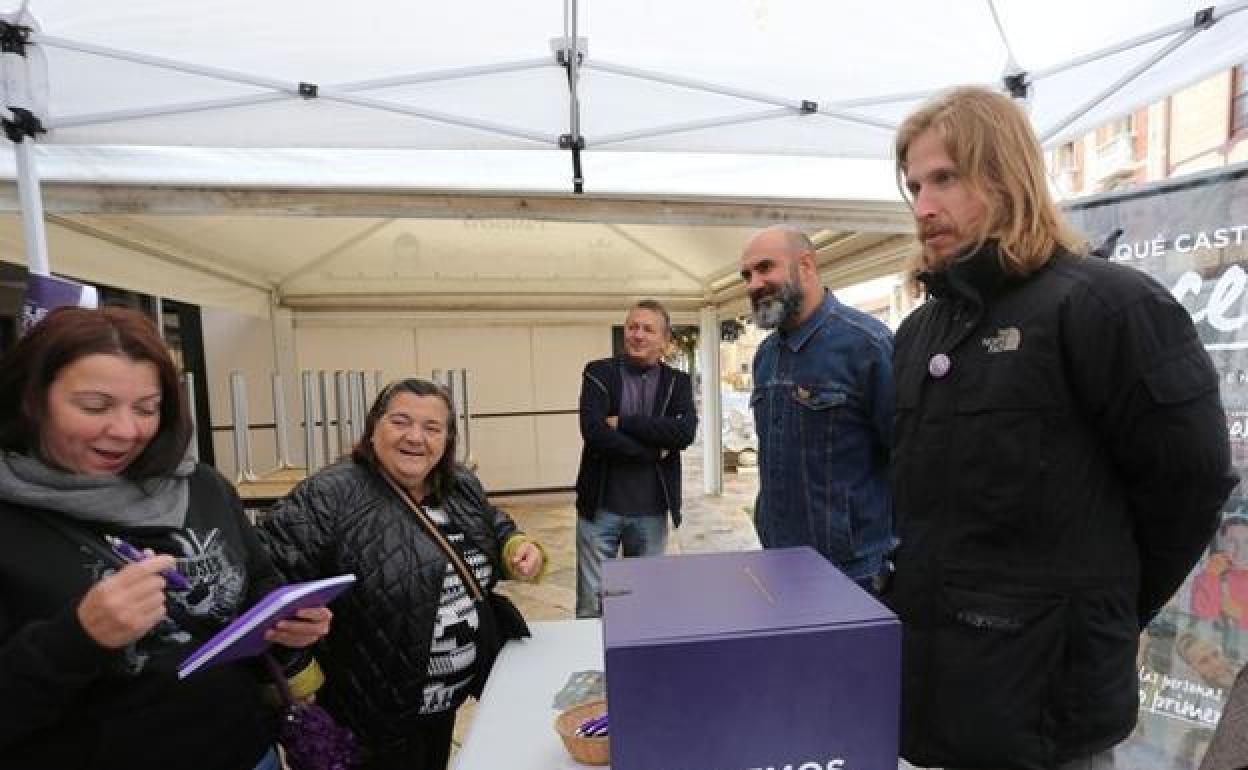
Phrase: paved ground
(711,524)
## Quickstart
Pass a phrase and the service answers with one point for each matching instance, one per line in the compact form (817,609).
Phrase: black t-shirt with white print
(455,630)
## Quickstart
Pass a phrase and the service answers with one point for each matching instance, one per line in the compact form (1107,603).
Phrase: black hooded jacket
(1061,459)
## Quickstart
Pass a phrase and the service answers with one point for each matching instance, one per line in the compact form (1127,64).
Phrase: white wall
(235,341)
(524,380)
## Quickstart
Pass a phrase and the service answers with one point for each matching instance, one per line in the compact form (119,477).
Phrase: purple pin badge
(939,365)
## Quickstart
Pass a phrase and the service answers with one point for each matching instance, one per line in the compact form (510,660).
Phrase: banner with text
(1192,236)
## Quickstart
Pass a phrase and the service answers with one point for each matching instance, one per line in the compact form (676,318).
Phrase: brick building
(1200,127)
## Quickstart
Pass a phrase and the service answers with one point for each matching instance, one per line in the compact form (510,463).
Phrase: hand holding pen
(127,604)
(133,556)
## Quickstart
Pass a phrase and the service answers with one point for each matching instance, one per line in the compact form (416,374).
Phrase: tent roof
(383,153)
(700,76)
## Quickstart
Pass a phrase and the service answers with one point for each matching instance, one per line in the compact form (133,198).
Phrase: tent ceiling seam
(658,255)
(99,233)
(317,261)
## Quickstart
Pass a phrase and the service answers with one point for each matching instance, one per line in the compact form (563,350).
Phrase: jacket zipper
(667,400)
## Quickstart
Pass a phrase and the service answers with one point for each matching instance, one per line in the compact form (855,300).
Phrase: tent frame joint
(566,142)
(1017,85)
(309,90)
(808,107)
(1204,18)
(562,47)
(14,38)
(23,124)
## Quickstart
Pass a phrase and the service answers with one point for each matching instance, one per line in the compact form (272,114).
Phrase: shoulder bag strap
(457,559)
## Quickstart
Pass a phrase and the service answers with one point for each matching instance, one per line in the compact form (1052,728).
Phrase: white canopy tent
(308,155)
(760,99)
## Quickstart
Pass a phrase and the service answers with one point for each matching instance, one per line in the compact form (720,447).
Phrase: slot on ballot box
(756,659)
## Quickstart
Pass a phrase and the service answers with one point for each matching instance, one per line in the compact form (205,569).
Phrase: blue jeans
(601,538)
(269,761)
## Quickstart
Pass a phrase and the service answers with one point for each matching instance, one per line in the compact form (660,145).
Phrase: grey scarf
(162,501)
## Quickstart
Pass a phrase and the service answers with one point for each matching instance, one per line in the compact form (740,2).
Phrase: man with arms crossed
(636,415)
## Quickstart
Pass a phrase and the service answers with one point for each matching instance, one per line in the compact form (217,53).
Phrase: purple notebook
(244,638)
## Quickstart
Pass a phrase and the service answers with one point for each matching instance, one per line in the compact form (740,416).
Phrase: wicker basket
(588,750)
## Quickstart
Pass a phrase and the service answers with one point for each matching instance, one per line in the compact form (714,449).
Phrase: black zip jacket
(638,439)
(1061,459)
(68,704)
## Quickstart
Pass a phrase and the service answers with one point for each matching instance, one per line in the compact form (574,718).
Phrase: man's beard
(779,307)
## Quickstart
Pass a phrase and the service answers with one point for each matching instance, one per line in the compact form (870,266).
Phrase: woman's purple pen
(134,555)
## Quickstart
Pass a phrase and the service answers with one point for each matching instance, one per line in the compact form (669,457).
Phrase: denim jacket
(823,411)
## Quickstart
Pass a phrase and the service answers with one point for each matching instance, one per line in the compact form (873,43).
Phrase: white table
(514,726)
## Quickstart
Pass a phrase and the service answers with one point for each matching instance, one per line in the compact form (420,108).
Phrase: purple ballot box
(737,661)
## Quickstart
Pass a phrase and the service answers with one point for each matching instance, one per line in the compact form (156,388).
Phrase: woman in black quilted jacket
(407,646)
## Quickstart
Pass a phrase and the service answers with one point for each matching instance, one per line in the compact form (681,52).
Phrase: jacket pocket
(1182,378)
(985,687)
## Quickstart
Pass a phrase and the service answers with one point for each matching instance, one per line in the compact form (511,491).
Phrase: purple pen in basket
(593,727)
(133,555)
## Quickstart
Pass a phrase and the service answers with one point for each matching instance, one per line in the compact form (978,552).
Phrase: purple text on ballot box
(737,661)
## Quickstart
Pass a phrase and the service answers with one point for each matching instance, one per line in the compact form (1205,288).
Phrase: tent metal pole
(342,409)
(438,76)
(188,392)
(52,41)
(437,117)
(793,106)
(1113,88)
(875,101)
(87,119)
(1011,63)
(311,460)
(571,54)
(183,108)
(279,422)
(574,72)
(735,120)
(693,125)
(323,390)
(696,85)
(712,406)
(1221,12)
(241,427)
(32,208)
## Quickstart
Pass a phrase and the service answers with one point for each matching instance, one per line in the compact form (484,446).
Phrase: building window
(1116,136)
(1239,100)
(1065,158)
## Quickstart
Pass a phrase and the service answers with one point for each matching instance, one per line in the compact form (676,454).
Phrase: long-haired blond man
(1061,457)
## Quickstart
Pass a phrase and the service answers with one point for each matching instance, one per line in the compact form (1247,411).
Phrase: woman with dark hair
(407,644)
(94,434)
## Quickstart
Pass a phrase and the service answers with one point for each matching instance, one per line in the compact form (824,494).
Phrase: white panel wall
(330,349)
(559,355)
(390,349)
(235,341)
(526,374)
(558,441)
(498,360)
(506,453)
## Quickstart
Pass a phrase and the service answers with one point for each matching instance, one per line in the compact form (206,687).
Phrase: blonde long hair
(993,147)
